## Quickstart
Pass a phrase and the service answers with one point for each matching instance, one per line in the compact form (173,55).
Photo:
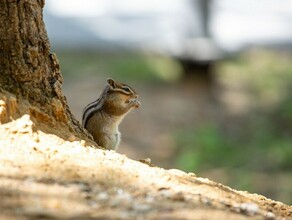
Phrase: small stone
(102,196)
(206,201)
(147,161)
(192,174)
(120,191)
(71,138)
(270,216)
(249,208)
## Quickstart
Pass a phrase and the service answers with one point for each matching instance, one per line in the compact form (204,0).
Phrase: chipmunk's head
(120,98)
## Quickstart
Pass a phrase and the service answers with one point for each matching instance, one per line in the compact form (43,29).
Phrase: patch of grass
(204,148)
(207,147)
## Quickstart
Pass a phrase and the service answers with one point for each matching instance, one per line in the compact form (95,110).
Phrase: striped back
(92,107)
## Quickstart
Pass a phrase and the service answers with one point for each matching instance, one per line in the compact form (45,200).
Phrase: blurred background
(214,78)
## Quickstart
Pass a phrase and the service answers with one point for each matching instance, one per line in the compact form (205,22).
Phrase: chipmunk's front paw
(136,103)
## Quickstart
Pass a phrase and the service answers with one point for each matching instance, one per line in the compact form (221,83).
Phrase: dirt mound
(45,176)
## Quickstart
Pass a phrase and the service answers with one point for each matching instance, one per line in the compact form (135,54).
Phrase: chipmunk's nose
(136,96)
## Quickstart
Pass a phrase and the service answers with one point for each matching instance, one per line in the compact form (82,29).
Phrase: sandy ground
(43,176)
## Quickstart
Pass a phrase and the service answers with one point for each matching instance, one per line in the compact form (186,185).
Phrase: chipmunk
(102,117)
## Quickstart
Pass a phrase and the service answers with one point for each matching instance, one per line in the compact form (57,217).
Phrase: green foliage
(204,148)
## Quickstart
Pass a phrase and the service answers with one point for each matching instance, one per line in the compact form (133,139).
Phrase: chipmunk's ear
(111,82)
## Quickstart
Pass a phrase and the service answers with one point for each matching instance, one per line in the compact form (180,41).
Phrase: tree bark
(28,69)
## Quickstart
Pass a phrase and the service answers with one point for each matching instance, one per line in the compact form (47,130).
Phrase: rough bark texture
(28,69)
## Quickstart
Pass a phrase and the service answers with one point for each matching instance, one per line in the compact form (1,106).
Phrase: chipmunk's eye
(126,88)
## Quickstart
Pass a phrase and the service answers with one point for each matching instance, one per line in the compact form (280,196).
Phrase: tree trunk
(29,70)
